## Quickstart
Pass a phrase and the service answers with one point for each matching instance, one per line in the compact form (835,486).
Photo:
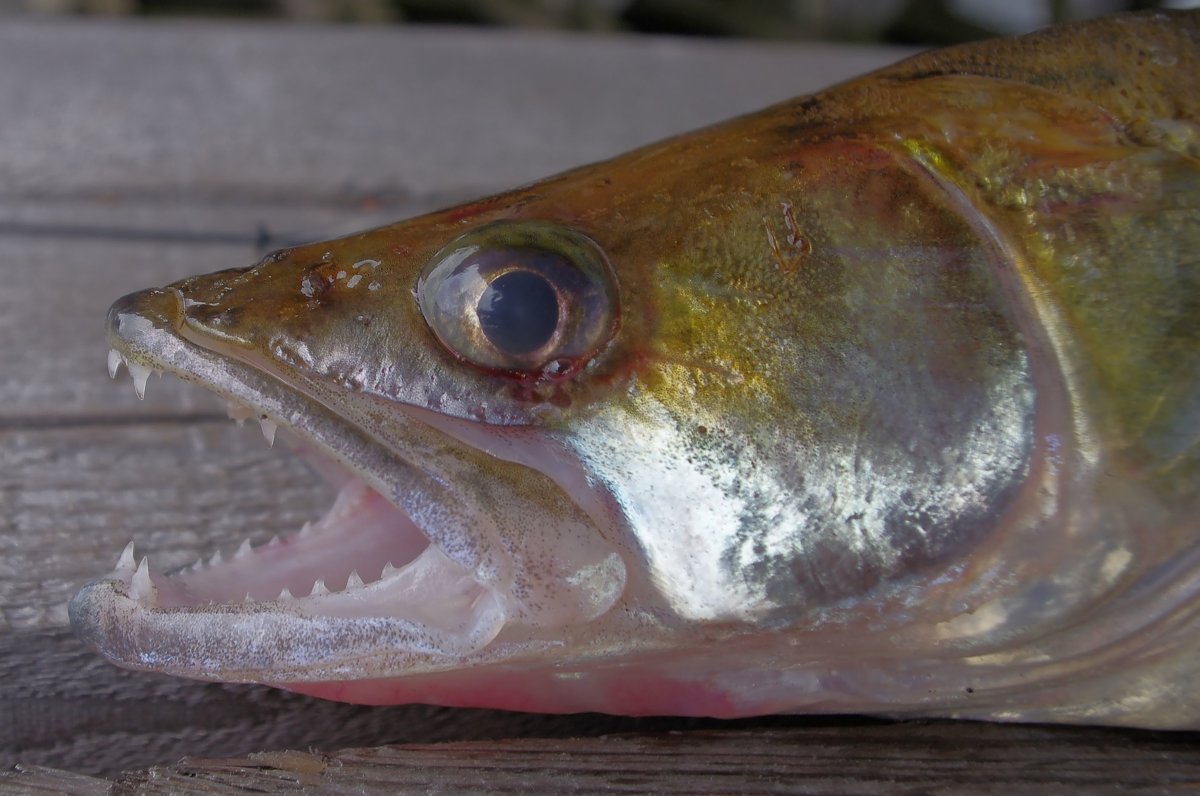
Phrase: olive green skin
(930,340)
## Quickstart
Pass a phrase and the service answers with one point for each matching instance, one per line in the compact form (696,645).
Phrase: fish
(883,400)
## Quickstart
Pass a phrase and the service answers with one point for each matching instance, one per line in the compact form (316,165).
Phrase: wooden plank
(318,114)
(40,779)
(802,759)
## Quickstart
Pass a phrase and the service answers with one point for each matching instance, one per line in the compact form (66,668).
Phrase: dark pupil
(518,312)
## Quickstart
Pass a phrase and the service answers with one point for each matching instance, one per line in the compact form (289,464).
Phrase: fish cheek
(868,397)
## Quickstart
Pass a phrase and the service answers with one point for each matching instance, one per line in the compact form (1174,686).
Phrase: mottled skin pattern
(901,415)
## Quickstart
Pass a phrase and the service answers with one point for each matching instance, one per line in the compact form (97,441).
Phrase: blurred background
(927,22)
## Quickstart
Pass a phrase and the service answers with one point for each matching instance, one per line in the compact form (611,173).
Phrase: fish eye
(528,298)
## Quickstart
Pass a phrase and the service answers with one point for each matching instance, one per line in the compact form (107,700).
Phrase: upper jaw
(413,606)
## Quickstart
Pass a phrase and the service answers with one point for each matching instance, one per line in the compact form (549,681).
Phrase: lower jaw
(361,582)
(262,643)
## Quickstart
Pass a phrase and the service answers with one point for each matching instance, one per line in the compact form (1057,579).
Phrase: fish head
(791,413)
(586,421)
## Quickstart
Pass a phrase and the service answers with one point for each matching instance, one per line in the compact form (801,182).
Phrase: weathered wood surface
(924,758)
(133,154)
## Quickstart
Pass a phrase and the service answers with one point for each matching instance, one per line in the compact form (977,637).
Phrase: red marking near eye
(469,210)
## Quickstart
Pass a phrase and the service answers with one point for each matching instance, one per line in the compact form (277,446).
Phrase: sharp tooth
(114,362)
(285,594)
(140,374)
(126,564)
(215,560)
(198,565)
(354,581)
(141,588)
(268,430)
(305,529)
(247,599)
(275,541)
(319,588)
(243,550)
(388,570)
(237,411)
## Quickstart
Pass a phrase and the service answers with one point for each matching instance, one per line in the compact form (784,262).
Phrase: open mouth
(409,567)
(363,557)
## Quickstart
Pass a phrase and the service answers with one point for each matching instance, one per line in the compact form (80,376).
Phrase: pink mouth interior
(360,535)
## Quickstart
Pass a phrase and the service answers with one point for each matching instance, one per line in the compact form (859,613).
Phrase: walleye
(885,400)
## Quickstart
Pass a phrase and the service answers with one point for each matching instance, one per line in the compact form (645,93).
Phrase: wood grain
(134,154)
(914,757)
